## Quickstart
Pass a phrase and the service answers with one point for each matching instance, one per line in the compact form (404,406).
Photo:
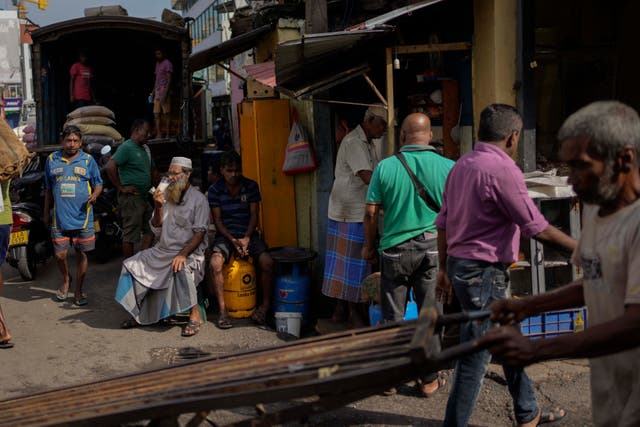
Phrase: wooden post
(315,16)
(389,149)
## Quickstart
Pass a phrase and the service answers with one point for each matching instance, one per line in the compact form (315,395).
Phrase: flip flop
(81,302)
(551,416)
(224,322)
(191,328)
(129,323)
(6,344)
(259,316)
(62,296)
(419,385)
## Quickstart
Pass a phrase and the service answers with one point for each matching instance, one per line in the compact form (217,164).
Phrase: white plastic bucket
(289,323)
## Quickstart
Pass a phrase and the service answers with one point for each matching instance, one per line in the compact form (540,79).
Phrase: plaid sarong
(344,268)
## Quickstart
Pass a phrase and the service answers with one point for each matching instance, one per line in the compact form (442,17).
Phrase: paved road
(59,344)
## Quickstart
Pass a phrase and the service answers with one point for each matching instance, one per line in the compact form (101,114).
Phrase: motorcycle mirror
(105,150)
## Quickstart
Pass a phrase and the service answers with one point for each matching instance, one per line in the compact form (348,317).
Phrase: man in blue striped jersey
(72,183)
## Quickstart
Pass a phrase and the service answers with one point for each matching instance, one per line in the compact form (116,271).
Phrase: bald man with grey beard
(408,247)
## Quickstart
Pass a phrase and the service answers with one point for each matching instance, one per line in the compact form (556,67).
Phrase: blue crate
(554,323)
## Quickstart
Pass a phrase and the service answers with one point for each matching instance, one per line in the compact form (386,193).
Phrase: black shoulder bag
(422,191)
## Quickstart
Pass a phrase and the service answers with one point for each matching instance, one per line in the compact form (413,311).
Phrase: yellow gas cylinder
(239,288)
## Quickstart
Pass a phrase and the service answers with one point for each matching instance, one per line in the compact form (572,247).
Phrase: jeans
(410,264)
(477,284)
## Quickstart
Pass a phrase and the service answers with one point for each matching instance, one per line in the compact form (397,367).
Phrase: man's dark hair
(497,122)
(70,130)
(230,158)
(138,123)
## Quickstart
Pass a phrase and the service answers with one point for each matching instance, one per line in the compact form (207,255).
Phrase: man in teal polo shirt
(408,247)
(132,171)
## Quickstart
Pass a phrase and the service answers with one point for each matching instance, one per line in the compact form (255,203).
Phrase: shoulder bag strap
(422,191)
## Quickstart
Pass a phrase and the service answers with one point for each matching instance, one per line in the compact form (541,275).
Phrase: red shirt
(82,82)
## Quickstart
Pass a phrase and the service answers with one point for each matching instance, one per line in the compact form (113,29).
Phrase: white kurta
(152,267)
(148,288)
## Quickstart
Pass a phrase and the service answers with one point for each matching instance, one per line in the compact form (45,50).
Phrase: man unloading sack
(408,248)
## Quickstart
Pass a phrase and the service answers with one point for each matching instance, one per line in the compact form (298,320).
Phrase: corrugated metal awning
(264,72)
(401,11)
(228,49)
(319,61)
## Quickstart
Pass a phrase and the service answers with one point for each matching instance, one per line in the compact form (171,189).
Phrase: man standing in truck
(81,83)
(160,95)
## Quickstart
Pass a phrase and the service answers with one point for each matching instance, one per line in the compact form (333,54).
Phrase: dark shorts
(5,232)
(83,240)
(224,247)
(136,213)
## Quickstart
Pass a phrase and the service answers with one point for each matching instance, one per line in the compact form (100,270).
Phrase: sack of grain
(106,11)
(97,139)
(13,154)
(90,120)
(100,130)
(91,110)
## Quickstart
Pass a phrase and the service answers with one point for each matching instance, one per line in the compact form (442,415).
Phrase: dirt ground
(59,344)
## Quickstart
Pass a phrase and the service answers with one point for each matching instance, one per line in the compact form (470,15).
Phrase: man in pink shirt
(160,94)
(485,208)
(81,85)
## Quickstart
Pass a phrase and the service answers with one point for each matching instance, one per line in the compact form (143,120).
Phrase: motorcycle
(107,225)
(106,217)
(30,241)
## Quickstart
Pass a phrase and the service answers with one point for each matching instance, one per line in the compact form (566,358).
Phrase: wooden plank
(425,48)
(375,89)
(390,148)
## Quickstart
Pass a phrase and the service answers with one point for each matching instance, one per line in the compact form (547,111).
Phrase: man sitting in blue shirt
(234,205)
(72,183)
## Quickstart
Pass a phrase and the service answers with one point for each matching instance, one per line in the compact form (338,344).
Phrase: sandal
(191,328)
(441,382)
(260,315)
(81,301)
(61,296)
(6,344)
(551,416)
(224,322)
(129,323)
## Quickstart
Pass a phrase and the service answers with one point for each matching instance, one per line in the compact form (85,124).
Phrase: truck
(121,54)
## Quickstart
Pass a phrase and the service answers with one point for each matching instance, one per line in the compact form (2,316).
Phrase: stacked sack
(13,154)
(96,124)
(29,137)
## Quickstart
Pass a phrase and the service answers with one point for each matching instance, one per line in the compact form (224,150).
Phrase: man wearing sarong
(344,267)
(161,281)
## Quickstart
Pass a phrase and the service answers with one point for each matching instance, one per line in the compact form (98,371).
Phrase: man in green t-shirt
(6,220)
(132,172)
(408,247)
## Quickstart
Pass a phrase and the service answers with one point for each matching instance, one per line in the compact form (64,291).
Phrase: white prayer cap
(181,161)
(377,110)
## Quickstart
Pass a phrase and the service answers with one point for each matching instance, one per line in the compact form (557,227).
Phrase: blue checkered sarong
(344,268)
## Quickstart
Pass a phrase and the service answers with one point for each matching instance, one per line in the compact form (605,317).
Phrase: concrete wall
(494,54)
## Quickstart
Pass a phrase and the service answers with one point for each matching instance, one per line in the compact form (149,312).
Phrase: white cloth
(152,267)
(609,254)
(348,195)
